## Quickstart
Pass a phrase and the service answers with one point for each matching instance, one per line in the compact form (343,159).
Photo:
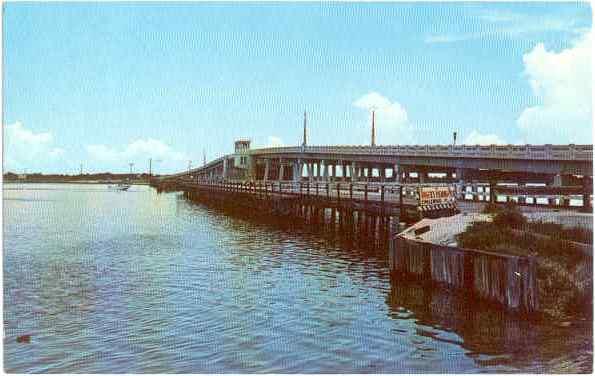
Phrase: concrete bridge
(556,166)
(362,163)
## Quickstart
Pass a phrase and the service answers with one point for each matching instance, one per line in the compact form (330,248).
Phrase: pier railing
(364,192)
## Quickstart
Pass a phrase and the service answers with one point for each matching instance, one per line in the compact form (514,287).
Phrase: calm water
(134,281)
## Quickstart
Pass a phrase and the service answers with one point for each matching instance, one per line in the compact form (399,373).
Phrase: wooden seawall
(504,279)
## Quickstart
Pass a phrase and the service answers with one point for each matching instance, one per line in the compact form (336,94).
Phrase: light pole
(373,141)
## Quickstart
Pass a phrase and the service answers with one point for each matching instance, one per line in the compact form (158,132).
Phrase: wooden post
(328,190)
(350,191)
(468,271)
(382,193)
(366,193)
(587,189)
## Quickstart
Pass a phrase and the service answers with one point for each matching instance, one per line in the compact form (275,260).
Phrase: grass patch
(564,273)
(557,231)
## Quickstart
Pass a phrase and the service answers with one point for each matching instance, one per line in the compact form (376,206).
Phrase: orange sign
(435,195)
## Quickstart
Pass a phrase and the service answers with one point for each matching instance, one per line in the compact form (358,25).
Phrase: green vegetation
(510,216)
(564,272)
(557,231)
(62,178)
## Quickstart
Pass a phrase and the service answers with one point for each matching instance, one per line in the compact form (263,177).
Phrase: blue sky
(108,84)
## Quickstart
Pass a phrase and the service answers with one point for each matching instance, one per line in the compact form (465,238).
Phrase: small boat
(119,187)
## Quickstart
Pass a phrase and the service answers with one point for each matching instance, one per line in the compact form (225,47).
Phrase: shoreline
(75,182)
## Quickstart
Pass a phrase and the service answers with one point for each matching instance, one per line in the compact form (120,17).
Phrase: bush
(484,235)
(557,231)
(491,208)
(564,273)
(510,217)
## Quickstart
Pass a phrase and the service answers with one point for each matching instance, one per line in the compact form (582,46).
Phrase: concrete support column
(343,171)
(296,170)
(281,170)
(310,169)
(460,175)
(397,173)
(224,168)
(323,165)
(354,172)
(557,180)
(267,165)
(251,168)
(460,187)
(421,174)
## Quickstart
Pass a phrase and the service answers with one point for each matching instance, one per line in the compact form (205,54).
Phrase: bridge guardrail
(558,152)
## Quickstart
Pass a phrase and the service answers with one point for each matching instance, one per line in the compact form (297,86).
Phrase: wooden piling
(508,280)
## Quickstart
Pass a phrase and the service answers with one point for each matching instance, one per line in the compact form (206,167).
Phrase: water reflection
(494,339)
(140,282)
(491,336)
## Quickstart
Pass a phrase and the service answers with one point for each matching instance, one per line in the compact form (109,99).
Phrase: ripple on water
(153,283)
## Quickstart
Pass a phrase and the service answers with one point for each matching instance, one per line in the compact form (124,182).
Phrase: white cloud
(561,81)
(56,152)
(274,141)
(26,149)
(138,152)
(451,38)
(391,120)
(508,24)
(476,138)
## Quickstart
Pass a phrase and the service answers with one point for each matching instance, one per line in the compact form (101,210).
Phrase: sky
(108,84)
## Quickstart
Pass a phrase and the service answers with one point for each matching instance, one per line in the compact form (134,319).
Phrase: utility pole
(373,130)
(150,165)
(305,139)
(131,164)
(81,171)
(454,138)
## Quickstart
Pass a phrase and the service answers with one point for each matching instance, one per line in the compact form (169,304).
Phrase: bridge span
(565,170)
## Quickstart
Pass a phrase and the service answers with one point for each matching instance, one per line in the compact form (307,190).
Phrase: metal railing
(548,152)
